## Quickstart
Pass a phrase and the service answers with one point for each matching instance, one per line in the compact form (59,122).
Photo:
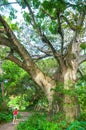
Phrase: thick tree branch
(5,41)
(60,32)
(79,23)
(72,26)
(14,42)
(2,30)
(74,45)
(12,58)
(81,18)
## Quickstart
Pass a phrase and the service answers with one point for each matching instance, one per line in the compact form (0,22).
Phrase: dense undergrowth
(41,122)
(5,116)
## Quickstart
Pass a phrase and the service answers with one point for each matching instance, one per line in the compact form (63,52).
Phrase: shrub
(77,126)
(82,117)
(5,116)
(38,122)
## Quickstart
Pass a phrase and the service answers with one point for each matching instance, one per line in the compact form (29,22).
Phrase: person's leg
(14,119)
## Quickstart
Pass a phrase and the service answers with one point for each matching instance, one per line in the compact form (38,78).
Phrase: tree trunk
(4,105)
(70,105)
(46,83)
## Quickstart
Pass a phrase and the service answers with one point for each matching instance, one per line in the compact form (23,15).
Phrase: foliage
(19,86)
(19,116)
(48,65)
(1,99)
(83,46)
(11,76)
(77,126)
(5,116)
(11,72)
(3,52)
(41,122)
(15,102)
(81,92)
(82,116)
(38,122)
(82,96)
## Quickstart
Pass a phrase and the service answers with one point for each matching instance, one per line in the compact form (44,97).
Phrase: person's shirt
(15,112)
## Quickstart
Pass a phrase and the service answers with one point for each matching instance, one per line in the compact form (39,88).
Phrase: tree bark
(70,104)
(46,84)
(4,104)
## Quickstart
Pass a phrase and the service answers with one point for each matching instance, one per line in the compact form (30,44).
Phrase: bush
(19,116)
(5,116)
(38,122)
(77,126)
(82,117)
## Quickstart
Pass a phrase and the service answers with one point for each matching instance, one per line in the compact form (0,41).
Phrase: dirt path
(10,126)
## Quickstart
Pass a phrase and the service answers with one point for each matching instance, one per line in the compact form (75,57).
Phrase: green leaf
(12,14)
(83,45)
(36,3)
(53,27)
(27,17)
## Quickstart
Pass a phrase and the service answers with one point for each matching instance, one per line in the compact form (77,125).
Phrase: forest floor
(11,126)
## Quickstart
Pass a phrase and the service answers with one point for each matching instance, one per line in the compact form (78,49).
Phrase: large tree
(61,27)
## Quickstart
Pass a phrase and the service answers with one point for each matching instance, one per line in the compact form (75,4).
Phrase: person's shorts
(15,116)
